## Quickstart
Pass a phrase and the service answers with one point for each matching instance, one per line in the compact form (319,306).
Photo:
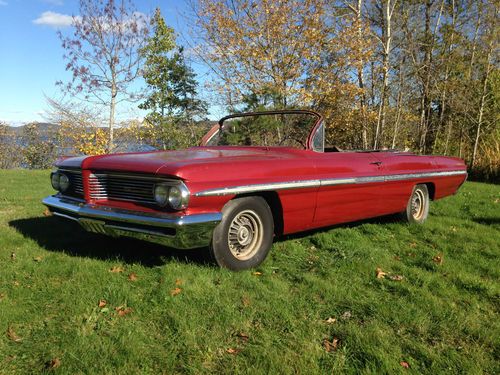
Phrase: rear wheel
(417,208)
(244,236)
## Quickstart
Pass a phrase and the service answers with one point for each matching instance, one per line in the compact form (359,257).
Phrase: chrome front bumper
(182,232)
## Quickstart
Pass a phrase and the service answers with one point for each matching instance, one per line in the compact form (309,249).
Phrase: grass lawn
(315,306)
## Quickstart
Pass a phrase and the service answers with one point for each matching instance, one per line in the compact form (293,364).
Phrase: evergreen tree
(172,100)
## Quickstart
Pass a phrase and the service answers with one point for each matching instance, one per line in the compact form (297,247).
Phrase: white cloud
(54,19)
(2,2)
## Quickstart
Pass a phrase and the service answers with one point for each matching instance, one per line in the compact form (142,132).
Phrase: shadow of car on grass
(56,235)
(68,237)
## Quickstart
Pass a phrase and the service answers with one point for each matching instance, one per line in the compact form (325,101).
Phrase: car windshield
(286,129)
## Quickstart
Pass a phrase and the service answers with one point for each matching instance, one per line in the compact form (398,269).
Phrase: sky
(31,54)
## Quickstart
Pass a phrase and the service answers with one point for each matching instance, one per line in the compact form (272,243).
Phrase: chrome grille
(124,187)
(76,182)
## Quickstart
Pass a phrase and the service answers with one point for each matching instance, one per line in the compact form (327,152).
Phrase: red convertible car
(254,176)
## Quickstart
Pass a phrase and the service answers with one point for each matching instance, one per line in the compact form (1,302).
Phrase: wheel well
(432,189)
(274,203)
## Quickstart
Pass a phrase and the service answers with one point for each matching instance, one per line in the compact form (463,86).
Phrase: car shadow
(487,220)
(388,219)
(68,237)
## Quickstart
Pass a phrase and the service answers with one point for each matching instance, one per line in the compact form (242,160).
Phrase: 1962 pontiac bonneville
(255,175)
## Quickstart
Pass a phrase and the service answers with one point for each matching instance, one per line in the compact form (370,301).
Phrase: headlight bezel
(54,180)
(67,183)
(176,196)
(57,184)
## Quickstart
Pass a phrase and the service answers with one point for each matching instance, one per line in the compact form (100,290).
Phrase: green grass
(439,318)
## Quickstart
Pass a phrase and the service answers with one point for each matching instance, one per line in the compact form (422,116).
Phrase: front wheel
(244,236)
(417,208)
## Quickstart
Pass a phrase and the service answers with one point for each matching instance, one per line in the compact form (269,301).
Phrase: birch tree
(102,53)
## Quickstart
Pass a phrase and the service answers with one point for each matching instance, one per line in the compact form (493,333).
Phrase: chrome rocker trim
(323,182)
(181,232)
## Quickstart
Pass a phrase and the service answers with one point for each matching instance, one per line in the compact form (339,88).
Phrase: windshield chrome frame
(309,142)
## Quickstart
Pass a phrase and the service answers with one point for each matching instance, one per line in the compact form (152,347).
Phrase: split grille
(115,186)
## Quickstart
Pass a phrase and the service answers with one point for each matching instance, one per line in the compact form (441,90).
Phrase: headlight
(161,195)
(63,182)
(176,196)
(54,180)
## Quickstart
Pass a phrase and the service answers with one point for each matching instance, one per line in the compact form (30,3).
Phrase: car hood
(172,162)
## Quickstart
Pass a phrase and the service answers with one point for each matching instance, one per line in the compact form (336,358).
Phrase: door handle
(376,162)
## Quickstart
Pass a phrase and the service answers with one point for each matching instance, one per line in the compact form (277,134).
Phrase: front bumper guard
(181,232)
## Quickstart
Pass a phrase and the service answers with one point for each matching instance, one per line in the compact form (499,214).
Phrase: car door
(398,168)
(350,187)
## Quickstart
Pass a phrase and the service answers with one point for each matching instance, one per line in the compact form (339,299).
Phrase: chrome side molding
(302,184)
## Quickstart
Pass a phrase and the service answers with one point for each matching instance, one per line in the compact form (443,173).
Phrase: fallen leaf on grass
(102,303)
(52,364)
(13,256)
(175,291)
(257,273)
(122,310)
(331,345)
(496,200)
(404,364)
(438,259)
(243,336)
(2,296)
(330,320)
(453,228)
(37,259)
(245,301)
(396,277)
(16,283)
(346,315)
(11,334)
(233,351)
(47,212)
(132,277)
(116,269)
(413,245)
(178,282)
(379,273)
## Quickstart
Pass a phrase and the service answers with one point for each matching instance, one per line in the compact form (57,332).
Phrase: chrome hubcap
(417,204)
(245,235)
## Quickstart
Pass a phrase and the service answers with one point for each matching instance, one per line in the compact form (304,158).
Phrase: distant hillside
(45,128)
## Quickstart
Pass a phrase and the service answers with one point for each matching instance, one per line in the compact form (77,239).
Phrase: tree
(172,95)
(103,54)
(79,131)
(39,151)
(9,149)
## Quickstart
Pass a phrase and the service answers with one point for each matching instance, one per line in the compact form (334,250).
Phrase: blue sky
(31,54)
